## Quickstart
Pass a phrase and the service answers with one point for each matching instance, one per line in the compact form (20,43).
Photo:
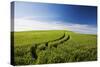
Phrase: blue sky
(42,16)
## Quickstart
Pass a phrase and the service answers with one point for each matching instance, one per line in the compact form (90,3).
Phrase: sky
(45,16)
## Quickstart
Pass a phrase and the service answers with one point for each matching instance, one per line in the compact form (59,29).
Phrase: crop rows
(49,44)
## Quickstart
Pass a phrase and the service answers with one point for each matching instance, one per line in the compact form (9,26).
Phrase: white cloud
(82,28)
(26,24)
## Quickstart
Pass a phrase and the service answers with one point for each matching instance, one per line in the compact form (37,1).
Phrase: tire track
(53,40)
(63,39)
(60,41)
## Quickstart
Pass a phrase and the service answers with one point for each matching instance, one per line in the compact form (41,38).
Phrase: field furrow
(49,44)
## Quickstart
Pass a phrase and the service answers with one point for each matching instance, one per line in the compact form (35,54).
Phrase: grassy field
(53,46)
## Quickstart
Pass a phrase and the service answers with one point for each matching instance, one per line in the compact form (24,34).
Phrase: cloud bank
(26,24)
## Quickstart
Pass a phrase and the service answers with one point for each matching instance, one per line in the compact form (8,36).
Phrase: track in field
(54,43)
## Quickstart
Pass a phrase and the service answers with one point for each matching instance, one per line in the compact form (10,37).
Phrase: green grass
(24,38)
(53,46)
